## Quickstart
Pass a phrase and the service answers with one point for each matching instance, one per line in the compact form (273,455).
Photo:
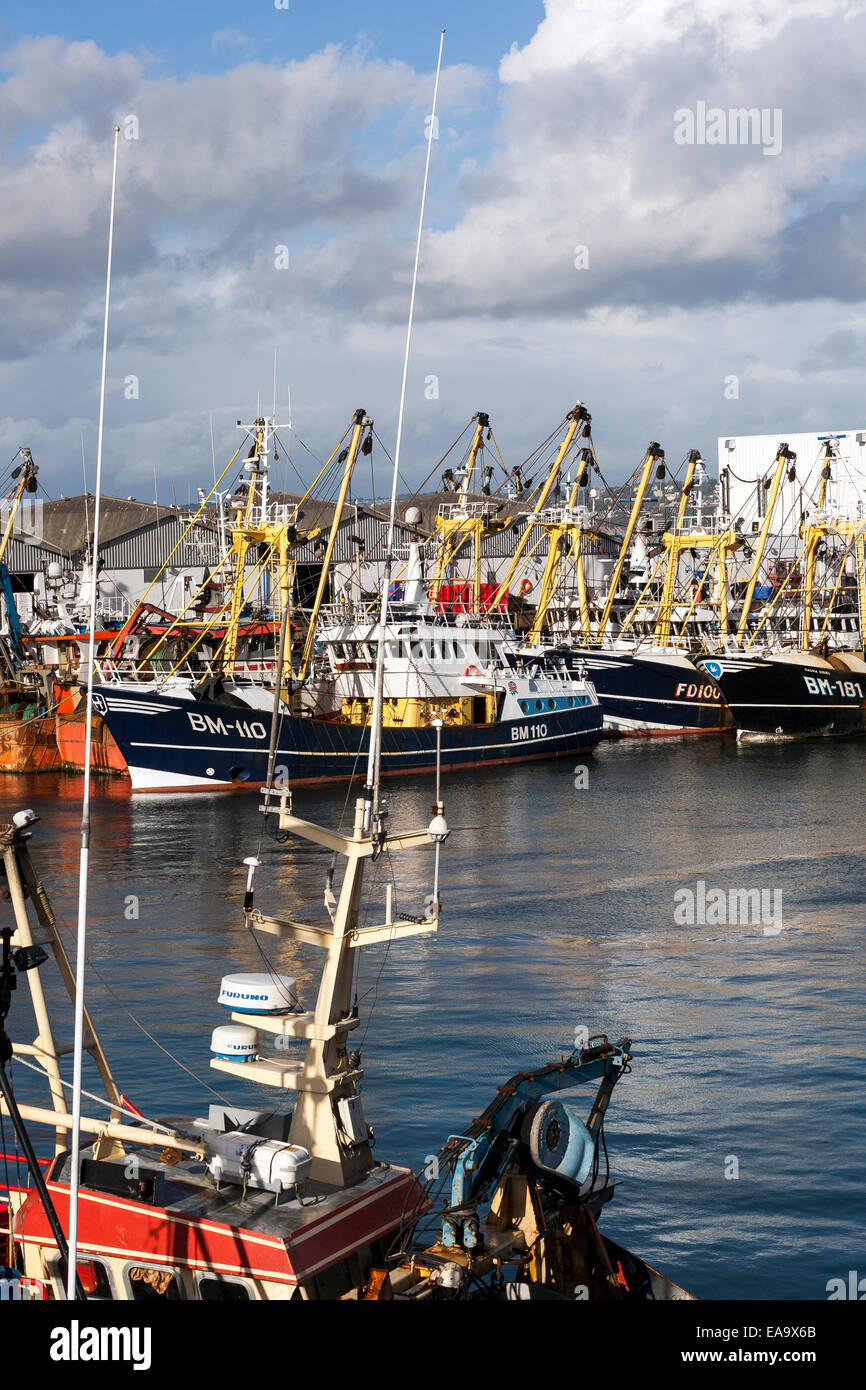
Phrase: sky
(600,226)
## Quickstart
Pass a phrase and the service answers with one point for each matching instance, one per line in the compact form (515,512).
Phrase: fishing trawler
(643,671)
(192,730)
(793,694)
(796,669)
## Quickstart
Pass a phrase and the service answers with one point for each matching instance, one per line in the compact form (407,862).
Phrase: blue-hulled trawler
(466,687)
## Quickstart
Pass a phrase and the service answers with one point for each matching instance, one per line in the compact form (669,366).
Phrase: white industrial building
(746,461)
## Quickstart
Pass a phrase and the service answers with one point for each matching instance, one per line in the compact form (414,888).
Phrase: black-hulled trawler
(796,669)
(636,639)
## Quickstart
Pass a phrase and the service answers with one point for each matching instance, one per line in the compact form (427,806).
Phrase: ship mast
(26,475)
(578,419)
(327,1118)
(84,854)
(814,534)
(256,524)
(362,428)
(565,527)
(464,520)
(371,789)
(722,542)
(654,457)
(784,458)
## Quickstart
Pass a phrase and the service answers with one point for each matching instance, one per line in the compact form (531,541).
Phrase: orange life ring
(525,586)
(472,671)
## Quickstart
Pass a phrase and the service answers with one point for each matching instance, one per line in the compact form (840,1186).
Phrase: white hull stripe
(123,1252)
(352,753)
(789,704)
(661,700)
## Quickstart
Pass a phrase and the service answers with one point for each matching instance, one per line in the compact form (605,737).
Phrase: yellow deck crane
(813,534)
(467,521)
(785,461)
(653,462)
(579,422)
(360,442)
(566,529)
(721,543)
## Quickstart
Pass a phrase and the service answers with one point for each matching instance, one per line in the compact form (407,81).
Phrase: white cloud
(586,156)
(703,261)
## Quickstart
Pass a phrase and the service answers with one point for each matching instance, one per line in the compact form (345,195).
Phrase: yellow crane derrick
(785,459)
(853,532)
(675,543)
(723,542)
(26,475)
(465,523)
(278,539)
(578,419)
(813,533)
(565,532)
(653,458)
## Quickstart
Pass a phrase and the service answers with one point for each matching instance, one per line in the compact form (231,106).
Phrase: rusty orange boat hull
(69,736)
(28,745)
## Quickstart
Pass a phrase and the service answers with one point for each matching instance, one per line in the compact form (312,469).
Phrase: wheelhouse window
(94,1276)
(148,1284)
(214,1290)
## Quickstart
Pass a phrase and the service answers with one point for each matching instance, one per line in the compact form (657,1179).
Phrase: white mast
(371,790)
(81,943)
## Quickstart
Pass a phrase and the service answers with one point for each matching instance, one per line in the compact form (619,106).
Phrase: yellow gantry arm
(783,457)
(359,425)
(28,470)
(666,603)
(565,540)
(813,535)
(654,455)
(477,445)
(576,418)
(455,531)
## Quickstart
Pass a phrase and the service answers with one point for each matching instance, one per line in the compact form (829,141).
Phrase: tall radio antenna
(84,856)
(371,789)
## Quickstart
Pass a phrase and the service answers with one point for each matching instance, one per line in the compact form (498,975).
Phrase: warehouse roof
(67,524)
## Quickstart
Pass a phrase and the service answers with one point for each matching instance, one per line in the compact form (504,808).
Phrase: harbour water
(739,1137)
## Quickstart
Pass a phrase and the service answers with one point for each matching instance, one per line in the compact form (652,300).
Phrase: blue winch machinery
(531,1134)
